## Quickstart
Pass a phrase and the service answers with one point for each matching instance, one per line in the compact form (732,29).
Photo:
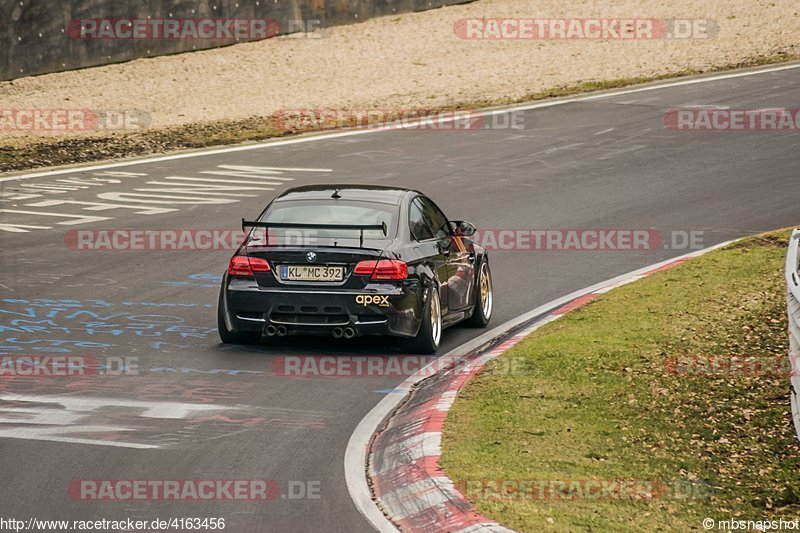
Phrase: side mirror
(462,228)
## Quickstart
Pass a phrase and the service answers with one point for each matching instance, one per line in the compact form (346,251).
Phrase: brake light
(258,264)
(383,269)
(242,265)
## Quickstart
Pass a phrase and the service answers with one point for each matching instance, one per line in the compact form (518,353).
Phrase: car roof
(369,193)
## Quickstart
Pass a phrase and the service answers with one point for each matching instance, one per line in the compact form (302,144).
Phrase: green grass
(253,129)
(597,400)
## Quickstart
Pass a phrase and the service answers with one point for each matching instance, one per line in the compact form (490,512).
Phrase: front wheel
(430,331)
(233,337)
(484,298)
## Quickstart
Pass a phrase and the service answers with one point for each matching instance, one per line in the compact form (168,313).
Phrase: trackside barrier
(38,38)
(793,312)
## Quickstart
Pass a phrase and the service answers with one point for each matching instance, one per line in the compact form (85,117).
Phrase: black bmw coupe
(351,260)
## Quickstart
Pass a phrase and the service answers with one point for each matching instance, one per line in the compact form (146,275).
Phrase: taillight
(242,265)
(383,269)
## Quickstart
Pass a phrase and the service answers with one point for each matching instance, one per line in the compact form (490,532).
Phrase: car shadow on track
(311,344)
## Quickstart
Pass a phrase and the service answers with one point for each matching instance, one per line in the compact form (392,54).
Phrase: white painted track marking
(351,133)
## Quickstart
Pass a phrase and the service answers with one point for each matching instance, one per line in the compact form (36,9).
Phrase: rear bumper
(378,309)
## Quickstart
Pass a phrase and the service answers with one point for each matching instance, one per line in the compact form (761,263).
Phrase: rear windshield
(325,212)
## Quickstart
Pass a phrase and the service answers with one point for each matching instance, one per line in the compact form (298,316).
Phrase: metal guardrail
(793,313)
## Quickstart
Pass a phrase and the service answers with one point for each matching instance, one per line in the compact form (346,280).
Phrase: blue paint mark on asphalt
(200,281)
(207,277)
(190,284)
(47,321)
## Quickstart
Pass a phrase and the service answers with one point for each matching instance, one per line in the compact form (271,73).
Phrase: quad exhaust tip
(338,333)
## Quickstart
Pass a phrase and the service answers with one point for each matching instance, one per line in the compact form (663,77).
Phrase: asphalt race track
(604,162)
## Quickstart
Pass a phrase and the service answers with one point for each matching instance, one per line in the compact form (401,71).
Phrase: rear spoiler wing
(357,227)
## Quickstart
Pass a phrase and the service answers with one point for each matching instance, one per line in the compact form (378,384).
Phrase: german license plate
(312,273)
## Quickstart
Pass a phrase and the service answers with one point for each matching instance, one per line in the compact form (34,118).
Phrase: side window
(435,218)
(417,223)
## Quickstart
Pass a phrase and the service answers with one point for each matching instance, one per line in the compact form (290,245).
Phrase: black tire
(482,312)
(428,339)
(233,337)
